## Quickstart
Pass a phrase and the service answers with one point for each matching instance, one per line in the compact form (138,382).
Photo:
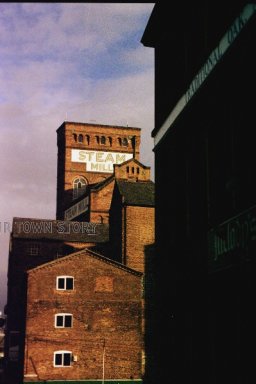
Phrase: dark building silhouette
(205,275)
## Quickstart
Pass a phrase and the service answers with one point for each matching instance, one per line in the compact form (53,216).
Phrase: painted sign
(67,230)
(99,161)
(232,241)
(77,209)
(207,68)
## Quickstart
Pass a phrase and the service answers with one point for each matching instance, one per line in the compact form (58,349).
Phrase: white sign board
(99,161)
(77,209)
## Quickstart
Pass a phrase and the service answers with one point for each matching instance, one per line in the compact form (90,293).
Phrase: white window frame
(63,315)
(65,277)
(77,189)
(62,353)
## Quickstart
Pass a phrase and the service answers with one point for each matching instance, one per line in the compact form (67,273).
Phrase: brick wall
(138,232)
(104,311)
(68,139)
(132,170)
(100,201)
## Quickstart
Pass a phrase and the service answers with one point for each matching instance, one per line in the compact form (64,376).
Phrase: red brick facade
(104,312)
(72,137)
(107,303)
(138,233)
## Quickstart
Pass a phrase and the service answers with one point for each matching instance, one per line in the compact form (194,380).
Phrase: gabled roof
(87,253)
(132,160)
(140,193)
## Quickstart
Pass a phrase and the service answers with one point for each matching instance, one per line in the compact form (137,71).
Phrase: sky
(81,62)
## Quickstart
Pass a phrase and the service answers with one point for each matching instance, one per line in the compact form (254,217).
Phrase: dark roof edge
(92,254)
(96,125)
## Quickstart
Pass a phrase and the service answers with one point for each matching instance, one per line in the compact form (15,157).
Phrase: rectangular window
(63,320)
(62,358)
(65,283)
(33,249)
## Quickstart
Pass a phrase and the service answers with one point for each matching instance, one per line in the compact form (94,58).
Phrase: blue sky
(65,61)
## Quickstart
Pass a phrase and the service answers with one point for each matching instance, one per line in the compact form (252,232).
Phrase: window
(80,138)
(103,140)
(97,139)
(33,249)
(63,320)
(75,136)
(125,142)
(59,252)
(62,359)
(138,170)
(127,169)
(110,141)
(79,187)
(65,283)
(87,138)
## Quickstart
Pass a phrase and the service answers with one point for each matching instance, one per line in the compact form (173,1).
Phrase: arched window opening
(80,138)
(125,141)
(101,219)
(103,140)
(79,187)
(97,139)
(138,170)
(110,141)
(127,169)
(75,137)
(119,141)
(87,138)
(132,169)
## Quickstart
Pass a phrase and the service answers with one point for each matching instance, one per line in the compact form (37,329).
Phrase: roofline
(92,254)
(97,125)
(101,184)
(125,204)
(132,159)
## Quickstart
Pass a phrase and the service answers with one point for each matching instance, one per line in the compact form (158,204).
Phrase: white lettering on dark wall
(212,60)
(77,209)
(206,69)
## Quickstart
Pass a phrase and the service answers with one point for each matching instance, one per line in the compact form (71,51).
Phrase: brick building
(89,329)
(35,242)
(98,167)
(132,222)
(86,155)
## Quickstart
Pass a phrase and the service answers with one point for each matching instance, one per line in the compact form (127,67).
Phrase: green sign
(233,241)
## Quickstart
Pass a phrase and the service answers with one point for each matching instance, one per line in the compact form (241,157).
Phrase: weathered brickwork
(101,194)
(100,200)
(27,253)
(132,170)
(138,232)
(107,304)
(104,312)
(132,222)
(88,137)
